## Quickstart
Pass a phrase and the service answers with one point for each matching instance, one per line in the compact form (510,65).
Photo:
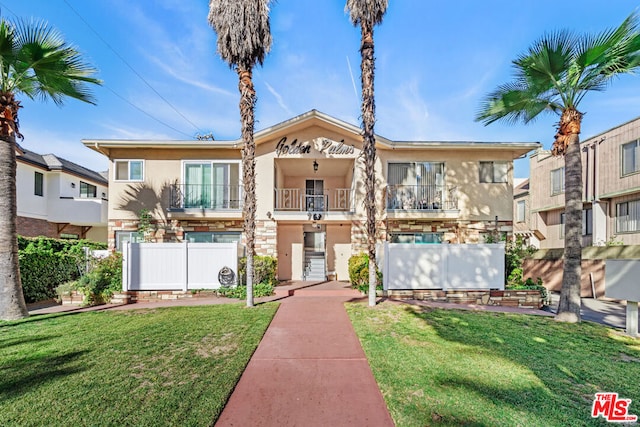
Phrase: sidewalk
(309,370)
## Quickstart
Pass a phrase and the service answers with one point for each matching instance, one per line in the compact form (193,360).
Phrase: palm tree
(34,61)
(244,38)
(367,14)
(554,75)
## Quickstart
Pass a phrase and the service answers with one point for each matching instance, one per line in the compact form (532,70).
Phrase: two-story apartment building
(611,190)
(58,198)
(310,192)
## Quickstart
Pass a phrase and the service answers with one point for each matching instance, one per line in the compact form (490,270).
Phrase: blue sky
(434,63)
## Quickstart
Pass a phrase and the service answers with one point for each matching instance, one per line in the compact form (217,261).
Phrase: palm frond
(243,29)
(514,103)
(370,11)
(39,63)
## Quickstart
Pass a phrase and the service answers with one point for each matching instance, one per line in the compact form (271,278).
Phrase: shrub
(259,290)
(359,273)
(41,272)
(46,263)
(529,284)
(104,279)
(264,270)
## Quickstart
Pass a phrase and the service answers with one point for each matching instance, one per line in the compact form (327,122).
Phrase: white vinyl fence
(176,266)
(445,266)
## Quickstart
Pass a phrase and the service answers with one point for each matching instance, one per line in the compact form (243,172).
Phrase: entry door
(314,241)
(314,195)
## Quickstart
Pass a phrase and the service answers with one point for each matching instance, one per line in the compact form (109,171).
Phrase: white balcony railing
(424,197)
(295,199)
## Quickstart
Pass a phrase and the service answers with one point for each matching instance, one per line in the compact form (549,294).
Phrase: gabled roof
(51,162)
(308,119)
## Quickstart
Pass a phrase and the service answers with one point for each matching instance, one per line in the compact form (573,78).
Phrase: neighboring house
(522,213)
(58,198)
(611,190)
(310,192)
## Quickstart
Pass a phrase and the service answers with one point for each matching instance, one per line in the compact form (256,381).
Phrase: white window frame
(217,162)
(626,223)
(559,173)
(128,161)
(496,176)
(635,160)
(87,185)
(521,211)
(412,237)
(134,236)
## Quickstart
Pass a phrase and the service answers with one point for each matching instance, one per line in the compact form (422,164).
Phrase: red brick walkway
(309,370)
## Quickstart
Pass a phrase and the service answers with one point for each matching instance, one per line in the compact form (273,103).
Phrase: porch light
(315,166)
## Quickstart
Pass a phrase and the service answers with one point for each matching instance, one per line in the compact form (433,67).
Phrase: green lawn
(451,367)
(169,366)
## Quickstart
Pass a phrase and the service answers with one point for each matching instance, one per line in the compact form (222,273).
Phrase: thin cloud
(278,98)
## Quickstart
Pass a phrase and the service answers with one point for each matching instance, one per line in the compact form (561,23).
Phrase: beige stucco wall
(290,242)
(339,249)
(162,168)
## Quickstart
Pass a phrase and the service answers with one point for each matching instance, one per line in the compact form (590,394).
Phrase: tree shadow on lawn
(572,361)
(29,372)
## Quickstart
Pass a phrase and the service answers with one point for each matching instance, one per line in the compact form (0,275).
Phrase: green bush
(264,270)
(259,290)
(46,263)
(41,272)
(359,273)
(104,279)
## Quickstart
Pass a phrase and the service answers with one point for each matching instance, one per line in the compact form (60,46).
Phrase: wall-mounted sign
(327,146)
(332,147)
(283,149)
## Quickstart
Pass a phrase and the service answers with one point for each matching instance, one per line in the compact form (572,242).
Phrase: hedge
(47,263)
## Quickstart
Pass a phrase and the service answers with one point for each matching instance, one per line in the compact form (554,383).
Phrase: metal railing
(294,199)
(214,197)
(422,197)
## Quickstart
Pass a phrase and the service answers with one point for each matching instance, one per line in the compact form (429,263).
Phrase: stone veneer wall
(174,231)
(453,231)
(266,242)
(506,298)
(359,235)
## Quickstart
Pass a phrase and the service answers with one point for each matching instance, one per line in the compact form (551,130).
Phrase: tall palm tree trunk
(247,105)
(569,305)
(369,147)
(12,304)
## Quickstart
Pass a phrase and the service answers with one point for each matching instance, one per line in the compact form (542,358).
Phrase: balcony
(87,211)
(198,200)
(295,200)
(430,199)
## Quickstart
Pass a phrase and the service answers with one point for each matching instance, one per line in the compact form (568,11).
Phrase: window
(419,185)
(494,172)
(122,237)
(88,191)
(38,188)
(631,157)
(129,170)
(587,222)
(521,211)
(628,217)
(419,238)
(212,185)
(212,237)
(557,181)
